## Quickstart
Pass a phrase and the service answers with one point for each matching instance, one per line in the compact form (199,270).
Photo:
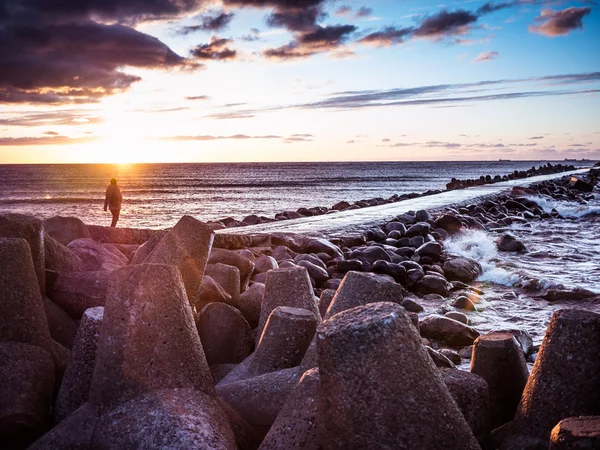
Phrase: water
(157,195)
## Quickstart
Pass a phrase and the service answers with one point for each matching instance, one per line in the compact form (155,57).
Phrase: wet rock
(411,306)
(508,242)
(32,230)
(396,271)
(59,258)
(416,242)
(418,229)
(576,433)
(332,283)
(311,258)
(431,249)
(395,226)
(245,266)
(370,254)
(211,292)
(464,302)
(282,345)
(458,316)
(413,276)
(249,303)
(295,427)
(287,287)
(76,292)
(439,359)
(449,223)
(451,355)
(432,284)
(470,392)
(75,386)
(372,369)
(226,336)
(462,269)
(265,263)
(62,328)
(567,367)
(187,246)
(449,331)
(228,277)
(66,229)
(146,248)
(422,216)
(317,273)
(498,359)
(352,265)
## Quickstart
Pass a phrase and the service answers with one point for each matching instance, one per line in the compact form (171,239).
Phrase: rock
(231,258)
(332,283)
(458,316)
(451,355)
(287,287)
(422,216)
(372,371)
(260,399)
(27,374)
(76,292)
(462,269)
(317,273)
(411,305)
(413,276)
(265,263)
(226,336)
(250,302)
(187,247)
(340,206)
(59,258)
(418,229)
(66,229)
(282,253)
(295,427)
(146,248)
(439,359)
(32,230)
(311,258)
(370,254)
(431,249)
(61,356)
(576,433)
(522,336)
(395,226)
(498,359)
(463,302)
(325,300)
(449,223)
(96,256)
(220,371)
(282,345)
(396,271)
(352,265)
(252,219)
(470,392)
(228,277)
(358,289)
(127,236)
(211,292)
(62,328)
(432,284)
(508,242)
(567,367)
(76,383)
(449,331)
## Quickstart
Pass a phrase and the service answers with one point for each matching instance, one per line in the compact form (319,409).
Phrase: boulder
(287,287)
(458,316)
(76,292)
(231,258)
(411,306)
(75,386)
(250,302)
(66,229)
(295,427)
(370,254)
(325,300)
(431,249)
(422,216)
(62,328)
(187,247)
(32,230)
(451,332)
(228,277)
(265,263)
(449,223)
(211,292)
(418,229)
(126,236)
(462,269)
(378,386)
(315,272)
(226,336)
(464,302)
(432,284)
(146,248)
(59,258)
(508,242)
(281,253)
(311,258)
(97,256)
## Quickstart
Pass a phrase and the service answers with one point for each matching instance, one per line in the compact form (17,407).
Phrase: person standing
(113,201)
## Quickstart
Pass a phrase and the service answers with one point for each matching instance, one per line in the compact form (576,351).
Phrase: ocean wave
(565,208)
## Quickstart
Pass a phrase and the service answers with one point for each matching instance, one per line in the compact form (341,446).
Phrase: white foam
(565,208)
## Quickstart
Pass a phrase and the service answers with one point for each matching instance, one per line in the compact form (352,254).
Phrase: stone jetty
(185,339)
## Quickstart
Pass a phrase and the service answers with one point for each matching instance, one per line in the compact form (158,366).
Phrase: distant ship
(504,160)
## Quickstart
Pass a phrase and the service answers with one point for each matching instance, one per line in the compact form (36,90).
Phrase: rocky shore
(190,339)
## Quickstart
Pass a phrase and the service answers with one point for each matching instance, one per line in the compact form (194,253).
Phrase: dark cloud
(211,21)
(364,11)
(296,19)
(43,140)
(55,52)
(445,23)
(493,7)
(253,35)
(198,97)
(387,36)
(559,23)
(318,40)
(217,49)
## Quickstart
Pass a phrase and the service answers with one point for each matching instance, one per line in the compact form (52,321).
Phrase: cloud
(51,133)
(387,36)
(318,40)
(486,56)
(211,21)
(216,50)
(536,137)
(559,23)
(52,118)
(198,97)
(215,138)
(75,51)
(444,24)
(44,140)
(253,35)
(364,11)
(343,10)
(296,19)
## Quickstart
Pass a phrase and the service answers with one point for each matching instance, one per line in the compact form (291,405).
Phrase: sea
(561,268)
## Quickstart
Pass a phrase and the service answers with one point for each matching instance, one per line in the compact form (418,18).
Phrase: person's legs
(115,217)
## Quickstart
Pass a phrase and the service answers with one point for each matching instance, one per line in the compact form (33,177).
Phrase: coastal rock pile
(280,341)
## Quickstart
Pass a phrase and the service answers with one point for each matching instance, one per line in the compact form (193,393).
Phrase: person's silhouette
(113,201)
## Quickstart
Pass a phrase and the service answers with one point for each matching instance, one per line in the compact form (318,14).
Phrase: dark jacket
(113,197)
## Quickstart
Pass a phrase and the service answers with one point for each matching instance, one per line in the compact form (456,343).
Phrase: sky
(122,81)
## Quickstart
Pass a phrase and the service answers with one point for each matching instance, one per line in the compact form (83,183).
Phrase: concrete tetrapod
(187,247)
(576,433)
(565,379)
(499,360)
(296,427)
(151,385)
(379,388)
(287,287)
(282,345)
